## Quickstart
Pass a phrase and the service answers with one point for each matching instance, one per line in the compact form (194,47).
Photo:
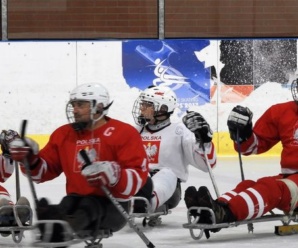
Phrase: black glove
(240,119)
(6,137)
(196,123)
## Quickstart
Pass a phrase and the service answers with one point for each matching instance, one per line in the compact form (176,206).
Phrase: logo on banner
(171,63)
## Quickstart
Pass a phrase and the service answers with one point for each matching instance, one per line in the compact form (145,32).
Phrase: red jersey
(278,123)
(114,141)
(6,168)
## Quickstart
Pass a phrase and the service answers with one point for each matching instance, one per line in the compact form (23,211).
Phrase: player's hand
(240,120)
(20,149)
(102,173)
(196,123)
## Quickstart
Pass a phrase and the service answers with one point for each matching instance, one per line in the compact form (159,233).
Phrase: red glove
(102,173)
(19,150)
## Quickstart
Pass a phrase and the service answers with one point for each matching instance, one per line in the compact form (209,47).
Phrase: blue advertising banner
(171,63)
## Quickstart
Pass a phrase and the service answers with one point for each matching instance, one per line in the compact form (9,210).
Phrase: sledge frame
(162,210)
(18,229)
(193,224)
(70,236)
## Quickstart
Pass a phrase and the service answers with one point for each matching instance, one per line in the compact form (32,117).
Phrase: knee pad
(175,198)
(245,184)
(268,184)
(270,181)
(293,188)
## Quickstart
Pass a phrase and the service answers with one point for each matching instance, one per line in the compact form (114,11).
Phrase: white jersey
(175,147)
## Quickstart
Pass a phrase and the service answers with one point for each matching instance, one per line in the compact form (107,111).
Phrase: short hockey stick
(239,155)
(27,166)
(249,225)
(209,167)
(18,191)
(118,206)
(240,159)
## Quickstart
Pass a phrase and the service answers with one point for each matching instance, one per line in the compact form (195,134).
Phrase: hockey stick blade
(286,230)
(122,211)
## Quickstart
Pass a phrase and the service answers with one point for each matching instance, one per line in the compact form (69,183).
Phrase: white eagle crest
(151,150)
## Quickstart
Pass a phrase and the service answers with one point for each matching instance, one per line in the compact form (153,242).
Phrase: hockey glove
(102,173)
(6,137)
(196,123)
(240,120)
(20,150)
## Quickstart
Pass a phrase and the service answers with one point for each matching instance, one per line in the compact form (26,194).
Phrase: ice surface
(171,233)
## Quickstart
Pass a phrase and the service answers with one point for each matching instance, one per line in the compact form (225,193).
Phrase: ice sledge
(193,224)
(153,218)
(92,240)
(17,229)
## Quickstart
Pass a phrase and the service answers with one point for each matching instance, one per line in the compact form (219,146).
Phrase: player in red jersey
(6,170)
(252,199)
(119,162)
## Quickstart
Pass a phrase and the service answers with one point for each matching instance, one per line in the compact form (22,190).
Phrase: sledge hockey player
(119,162)
(7,166)
(170,147)
(253,199)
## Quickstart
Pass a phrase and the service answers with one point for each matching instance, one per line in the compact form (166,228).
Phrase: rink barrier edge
(222,142)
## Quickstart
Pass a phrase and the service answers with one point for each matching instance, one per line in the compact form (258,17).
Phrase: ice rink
(171,233)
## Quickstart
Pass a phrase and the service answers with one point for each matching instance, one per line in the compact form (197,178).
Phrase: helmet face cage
(69,112)
(71,119)
(163,99)
(294,90)
(137,114)
(99,100)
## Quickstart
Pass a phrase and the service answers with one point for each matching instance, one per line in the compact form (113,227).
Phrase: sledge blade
(58,233)
(286,230)
(194,224)
(162,210)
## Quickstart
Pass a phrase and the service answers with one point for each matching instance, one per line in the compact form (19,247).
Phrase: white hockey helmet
(160,96)
(163,99)
(94,93)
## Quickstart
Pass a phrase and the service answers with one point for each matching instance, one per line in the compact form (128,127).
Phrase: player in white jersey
(171,147)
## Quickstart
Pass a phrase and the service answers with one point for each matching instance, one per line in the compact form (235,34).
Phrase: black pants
(91,213)
(146,191)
